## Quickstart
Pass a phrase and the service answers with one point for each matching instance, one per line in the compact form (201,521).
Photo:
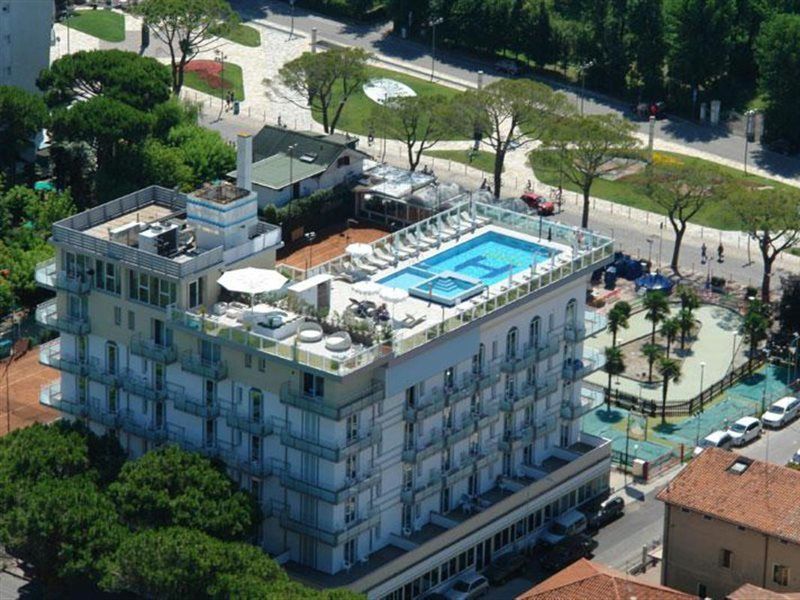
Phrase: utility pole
(291,28)
(433,23)
(583,68)
(291,149)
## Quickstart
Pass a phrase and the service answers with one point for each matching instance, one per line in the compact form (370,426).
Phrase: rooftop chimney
(244,161)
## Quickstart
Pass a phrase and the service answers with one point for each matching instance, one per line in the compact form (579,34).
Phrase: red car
(540,204)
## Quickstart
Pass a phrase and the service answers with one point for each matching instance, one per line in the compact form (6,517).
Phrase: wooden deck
(329,244)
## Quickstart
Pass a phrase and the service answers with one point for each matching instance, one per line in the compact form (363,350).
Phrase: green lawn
(244,35)
(232,77)
(103,24)
(482,160)
(628,190)
(358,109)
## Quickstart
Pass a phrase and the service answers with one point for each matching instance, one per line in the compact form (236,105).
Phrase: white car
(468,587)
(715,439)
(781,412)
(745,430)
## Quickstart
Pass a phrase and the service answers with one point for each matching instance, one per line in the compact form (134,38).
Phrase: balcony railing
(47,315)
(332,451)
(50,354)
(249,424)
(525,395)
(162,353)
(574,333)
(336,535)
(571,412)
(546,385)
(256,467)
(367,479)
(50,395)
(103,374)
(422,450)
(576,369)
(157,433)
(523,435)
(422,488)
(210,369)
(198,408)
(45,273)
(342,409)
(134,383)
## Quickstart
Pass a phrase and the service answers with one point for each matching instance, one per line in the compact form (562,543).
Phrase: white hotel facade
(390,466)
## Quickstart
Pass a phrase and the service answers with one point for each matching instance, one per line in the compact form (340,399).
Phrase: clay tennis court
(25,378)
(330,243)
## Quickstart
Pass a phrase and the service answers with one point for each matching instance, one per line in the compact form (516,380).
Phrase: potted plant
(718,284)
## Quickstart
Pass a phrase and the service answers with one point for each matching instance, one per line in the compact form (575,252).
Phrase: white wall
(25,30)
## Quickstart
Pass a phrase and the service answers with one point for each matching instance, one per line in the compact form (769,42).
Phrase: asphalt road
(376,38)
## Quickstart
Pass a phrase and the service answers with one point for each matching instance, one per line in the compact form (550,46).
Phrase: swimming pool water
(489,257)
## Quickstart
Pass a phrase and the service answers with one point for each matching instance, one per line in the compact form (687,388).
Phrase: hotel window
(351,467)
(117,316)
(511,343)
(111,397)
(780,574)
(449,378)
(83,386)
(571,313)
(111,358)
(262,364)
(131,320)
(725,558)
(248,361)
(313,385)
(196,292)
(151,290)
(209,432)
(350,552)
(106,276)
(411,396)
(510,386)
(350,510)
(352,428)
(255,448)
(256,401)
(408,478)
(475,403)
(533,332)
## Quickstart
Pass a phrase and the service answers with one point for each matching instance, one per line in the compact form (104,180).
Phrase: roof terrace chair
(417,241)
(385,255)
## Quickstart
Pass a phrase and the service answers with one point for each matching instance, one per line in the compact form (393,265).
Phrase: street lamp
(219,57)
(290,150)
(793,356)
(291,28)
(749,133)
(583,68)
(766,382)
(310,237)
(433,23)
(650,251)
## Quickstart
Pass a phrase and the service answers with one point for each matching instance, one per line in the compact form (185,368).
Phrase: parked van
(569,524)
(781,412)
(715,439)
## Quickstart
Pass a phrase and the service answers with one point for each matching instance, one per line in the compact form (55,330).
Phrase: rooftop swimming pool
(464,270)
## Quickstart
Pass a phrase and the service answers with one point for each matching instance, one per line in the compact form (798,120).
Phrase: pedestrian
(720,252)
(703,253)
(280,124)
(231,98)
(549,234)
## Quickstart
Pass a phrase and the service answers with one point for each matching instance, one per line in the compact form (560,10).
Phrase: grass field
(629,191)
(208,80)
(244,35)
(356,114)
(482,160)
(103,24)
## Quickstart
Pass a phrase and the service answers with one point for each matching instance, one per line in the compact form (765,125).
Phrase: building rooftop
(752,592)
(718,483)
(278,171)
(585,580)
(221,193)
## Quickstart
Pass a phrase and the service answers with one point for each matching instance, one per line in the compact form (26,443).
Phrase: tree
(324,81)
(688,297)
(646,45)
(789,306)
(512,112)
(652,352)
(656,310)
(205,152)
(137,81)
(669,331)
(419,122)
(615,365)
(681,191)
(779,76)
(22,115)
(772,218)
(685,325)
(586,148)
(670,370)
(65,528)
(618,319)
(538,35)
(186,27)
(755,325)
(699,38)
(172,487)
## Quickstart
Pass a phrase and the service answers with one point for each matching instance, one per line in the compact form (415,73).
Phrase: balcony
(140,346)
(45,273)
(157,433)
(524,396)
(332,451)
(50,395)
(420,451)
(50,354)
(546,385)
(198,408)
(209,369)
(571,412)
(367,479)
(249,424)
(256,468)
(522,436)
(342,409)
(422,489)
(219,450)
(102,374)
(574,333)
(339,533)
(548,348)
(575,369)
(134,383)
(47,315)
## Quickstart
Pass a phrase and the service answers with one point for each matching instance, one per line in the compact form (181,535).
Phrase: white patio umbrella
(358,250)
(393,295)
(252,281)
(367,287)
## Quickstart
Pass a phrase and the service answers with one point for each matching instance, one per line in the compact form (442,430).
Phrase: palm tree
(670,370)
(652,353)
(688,297)
(670,329)
(755,325)
(618,319)
(615,365)
(657,307)
(685,324)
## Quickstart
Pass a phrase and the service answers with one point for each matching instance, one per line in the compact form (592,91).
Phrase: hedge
(317,211)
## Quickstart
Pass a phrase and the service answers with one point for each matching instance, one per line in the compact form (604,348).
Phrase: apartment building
(25,37)
(729,521)
(390,457)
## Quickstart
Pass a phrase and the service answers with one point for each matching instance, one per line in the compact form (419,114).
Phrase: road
(377,39)
(620,543)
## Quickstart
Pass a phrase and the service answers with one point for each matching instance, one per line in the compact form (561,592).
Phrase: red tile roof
(752,592)
(586,580)
(709,486)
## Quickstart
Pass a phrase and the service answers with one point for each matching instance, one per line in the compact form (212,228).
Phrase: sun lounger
(430,238)
(375,260)
(361,265)
(412,321)
(448,231)
(460,225)
(386,256)
(416,241)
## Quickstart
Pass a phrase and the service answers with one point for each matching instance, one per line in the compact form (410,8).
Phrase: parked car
(567,552)
(567,525)
(538,203)
(781,412)
(468,587)
(744,431)
(508,66)
(715,439)
(504,568)
(609,510)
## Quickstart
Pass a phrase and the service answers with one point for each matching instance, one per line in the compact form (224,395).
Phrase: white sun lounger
(416,241)
(363,266)
(459,225)
(377,261)
(430,238)
(385,256)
